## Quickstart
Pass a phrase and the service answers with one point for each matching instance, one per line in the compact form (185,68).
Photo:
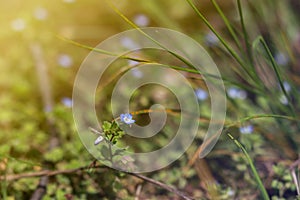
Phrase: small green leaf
(106,126)
(114,126)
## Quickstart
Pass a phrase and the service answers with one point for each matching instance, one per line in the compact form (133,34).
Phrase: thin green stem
(148,36)
(252,167)
(275,67)
(232,52)
(229,49)
(263,116)
(246,37)
(212,76)
(100,50)
(228,25)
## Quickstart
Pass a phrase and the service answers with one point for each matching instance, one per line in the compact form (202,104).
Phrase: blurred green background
(37,70)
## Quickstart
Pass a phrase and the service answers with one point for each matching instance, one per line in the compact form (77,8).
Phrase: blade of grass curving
(233,53)
(100,50)
(146,35)
(253,89)
(275,67)
(152,39)
(237,123)
(252,167)
(262,116)
(212,76)
(269,116)
(141,31)
(246,37)
(228,25)
(225,44)
(189,70)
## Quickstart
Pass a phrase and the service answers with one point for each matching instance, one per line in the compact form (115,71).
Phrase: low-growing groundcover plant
(256,47)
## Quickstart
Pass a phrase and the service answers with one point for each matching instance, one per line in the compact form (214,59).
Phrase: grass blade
(276,69)
(246,37)
(252,167)
(262,116)
(225,44)
(228,25)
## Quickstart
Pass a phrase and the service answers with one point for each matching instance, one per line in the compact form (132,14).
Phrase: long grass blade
(228,25)
(262,116)
(246,37)
(225,44)
(276,69)
(252,167)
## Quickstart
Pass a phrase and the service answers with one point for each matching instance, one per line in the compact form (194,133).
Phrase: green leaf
(106,126)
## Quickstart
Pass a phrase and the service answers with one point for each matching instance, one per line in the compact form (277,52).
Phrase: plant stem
(246,38)
(228,25)
(225,44)
(253,169)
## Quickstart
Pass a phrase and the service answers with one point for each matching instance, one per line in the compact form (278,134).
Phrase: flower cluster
(112,131)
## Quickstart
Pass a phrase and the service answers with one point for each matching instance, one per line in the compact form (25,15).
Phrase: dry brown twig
(47,173)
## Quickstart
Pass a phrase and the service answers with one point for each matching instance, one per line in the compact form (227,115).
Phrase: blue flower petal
(98,140)
(127,118)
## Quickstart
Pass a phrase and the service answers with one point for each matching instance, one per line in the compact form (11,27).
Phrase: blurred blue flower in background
(18,24)
(287,86)
(236,93)
(40,13)
(281,58)
(201,94)
(247,129)
(65,60)
(211,39)
(141,20)
(129,43)
(47,109)
(69,1)
(133,62)
(67,102)
(137,73)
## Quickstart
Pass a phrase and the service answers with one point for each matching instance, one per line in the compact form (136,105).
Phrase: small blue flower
(236,93)
(201,94)
(137,73)
(141,20)
(67,102)
(287,86)
(211,39)
(127,118)
(98,140)
(65,61)
(247,129)
(129,43)
(133,63)
(281,58)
